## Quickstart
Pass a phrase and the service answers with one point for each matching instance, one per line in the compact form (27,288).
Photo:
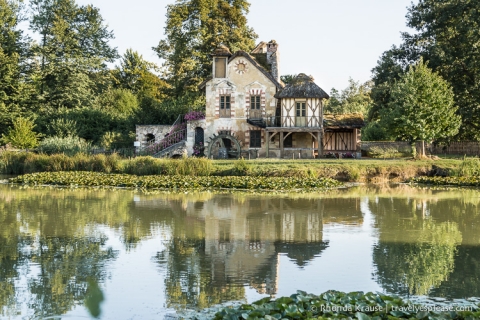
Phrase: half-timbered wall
(313,116)
(340,141)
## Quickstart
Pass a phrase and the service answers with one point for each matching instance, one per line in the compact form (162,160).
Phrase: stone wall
(158,131)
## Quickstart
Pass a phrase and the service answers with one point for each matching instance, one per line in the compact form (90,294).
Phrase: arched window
(150,137)
(199,136)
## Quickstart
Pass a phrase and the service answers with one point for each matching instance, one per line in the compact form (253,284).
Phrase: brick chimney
(273,59)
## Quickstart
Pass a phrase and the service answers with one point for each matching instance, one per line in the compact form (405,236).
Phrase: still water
(152,254)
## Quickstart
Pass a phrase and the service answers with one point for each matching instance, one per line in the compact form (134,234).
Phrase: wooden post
(281,144)
(268,142)
(320,144)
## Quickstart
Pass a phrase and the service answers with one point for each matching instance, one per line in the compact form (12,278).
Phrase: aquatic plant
(339,305)
(189,182)
(473,181)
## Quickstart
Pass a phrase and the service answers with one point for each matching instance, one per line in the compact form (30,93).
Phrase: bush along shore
(339,305)
(343,170)
(97,179)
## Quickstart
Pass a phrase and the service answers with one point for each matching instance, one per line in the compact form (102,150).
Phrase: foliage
(286,79)
(120,102)
(69,145)
(241,167)
(375,131)
(469,167)
(193,30)
(348,155)
(354,99)
(365,170)
(330,155)
(14,91)
(194,115)
(137,75)
(21,135)
(198,150)
(167,111)
(337,305)
(383,152)
(422,107)
(182,181)
(73,52)
(62,127)
(389,69)
(446,34)
(109,139)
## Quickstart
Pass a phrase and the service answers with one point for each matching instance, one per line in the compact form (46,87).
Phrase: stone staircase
(173,143)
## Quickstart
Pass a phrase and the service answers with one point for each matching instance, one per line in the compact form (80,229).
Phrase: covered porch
(294,142)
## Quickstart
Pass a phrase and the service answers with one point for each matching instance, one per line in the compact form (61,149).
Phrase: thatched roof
(302,86)
(221,50)
(347,120)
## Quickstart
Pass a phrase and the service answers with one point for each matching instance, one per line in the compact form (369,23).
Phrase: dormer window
(220,67)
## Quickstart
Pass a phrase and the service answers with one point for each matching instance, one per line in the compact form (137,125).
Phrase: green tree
(354,99)
(137,75)
(73,51)
(389,69)
(445,34)
(13,56)
(193,29)
(422,107)
(21,135)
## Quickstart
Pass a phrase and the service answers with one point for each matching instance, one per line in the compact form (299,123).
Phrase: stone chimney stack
(273,59)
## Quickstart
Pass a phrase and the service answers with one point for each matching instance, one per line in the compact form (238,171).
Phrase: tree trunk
(423,148)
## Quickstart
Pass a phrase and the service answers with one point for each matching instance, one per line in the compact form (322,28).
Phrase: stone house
(250,113)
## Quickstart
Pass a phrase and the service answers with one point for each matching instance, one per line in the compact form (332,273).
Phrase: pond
(154,254)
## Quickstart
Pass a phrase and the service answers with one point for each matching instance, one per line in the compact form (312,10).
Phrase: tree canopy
(193,29)
(446,33)
(422,106)
(353,99)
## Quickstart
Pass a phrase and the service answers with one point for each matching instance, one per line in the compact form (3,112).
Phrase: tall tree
(194,28)
(137,75)
(446,33)
(422,107)
(13,55)
(73,50)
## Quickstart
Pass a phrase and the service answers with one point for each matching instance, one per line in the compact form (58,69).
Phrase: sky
(330,40)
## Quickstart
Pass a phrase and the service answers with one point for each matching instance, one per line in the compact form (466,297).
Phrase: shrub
(67,145)
(63,128)
(241,167)
(468,168)
(383,152)
(21,135)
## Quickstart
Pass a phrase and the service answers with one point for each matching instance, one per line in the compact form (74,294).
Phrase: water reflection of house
(245,236)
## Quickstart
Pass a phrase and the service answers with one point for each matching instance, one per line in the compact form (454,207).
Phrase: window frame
(301,120)
(216,72)
(255,142)
(225,106)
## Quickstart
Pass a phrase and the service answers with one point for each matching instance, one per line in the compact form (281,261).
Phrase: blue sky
(330,40)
